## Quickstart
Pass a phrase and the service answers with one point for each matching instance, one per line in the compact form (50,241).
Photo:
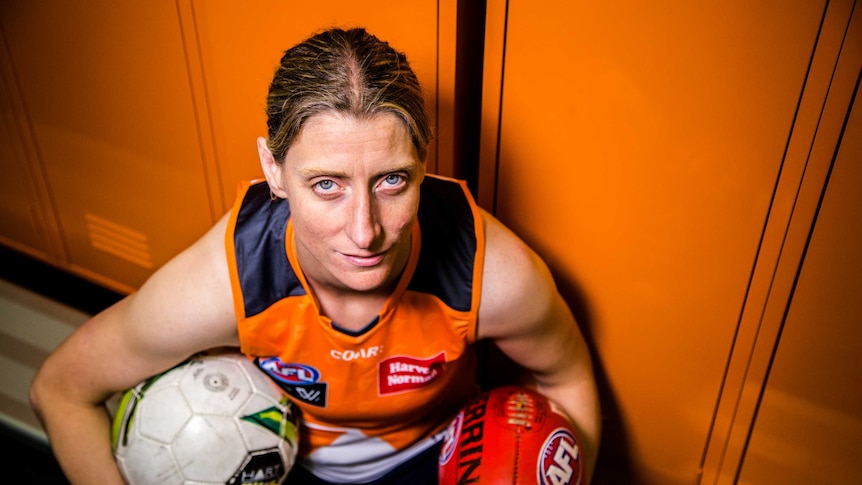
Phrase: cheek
(312,223)
(399,218)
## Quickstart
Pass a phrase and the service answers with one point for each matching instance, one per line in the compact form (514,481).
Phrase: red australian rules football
(514,436)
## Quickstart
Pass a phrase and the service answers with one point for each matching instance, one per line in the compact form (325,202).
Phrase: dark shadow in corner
(54,283)
(614,465)
(29,461)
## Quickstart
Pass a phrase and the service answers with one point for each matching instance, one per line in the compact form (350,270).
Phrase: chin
(369,280)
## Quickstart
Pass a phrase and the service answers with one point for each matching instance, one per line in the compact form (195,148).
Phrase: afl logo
(450,439)
(295,374)
(560,460)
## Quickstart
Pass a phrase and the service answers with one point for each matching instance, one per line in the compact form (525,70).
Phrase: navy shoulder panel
(265,274)
(448,254)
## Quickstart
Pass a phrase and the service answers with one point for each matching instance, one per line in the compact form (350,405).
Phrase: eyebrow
(311,172)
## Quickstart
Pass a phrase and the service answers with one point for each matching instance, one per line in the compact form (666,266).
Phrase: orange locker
(108,105)
(23,210)
(129,124)
(808,426)
(240,45)
(654,153)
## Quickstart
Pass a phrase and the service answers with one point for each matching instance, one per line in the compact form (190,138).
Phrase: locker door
(25,217)
(808,428)
(143,116)
(241,44)
(107,97)
(638,147)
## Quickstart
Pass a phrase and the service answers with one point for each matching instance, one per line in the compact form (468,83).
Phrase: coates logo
(296,374)
(450,439)
(560,459)
(400,373)
(349,355)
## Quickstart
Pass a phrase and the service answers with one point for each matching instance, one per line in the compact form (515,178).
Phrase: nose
(363,227)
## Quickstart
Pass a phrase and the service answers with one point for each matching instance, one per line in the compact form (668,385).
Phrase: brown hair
(343,71)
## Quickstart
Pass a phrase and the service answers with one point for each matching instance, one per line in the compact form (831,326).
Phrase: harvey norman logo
(401,373)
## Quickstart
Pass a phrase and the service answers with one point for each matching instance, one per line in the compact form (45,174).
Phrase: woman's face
(353,188)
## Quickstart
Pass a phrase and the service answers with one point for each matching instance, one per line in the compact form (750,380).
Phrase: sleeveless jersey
(373,399)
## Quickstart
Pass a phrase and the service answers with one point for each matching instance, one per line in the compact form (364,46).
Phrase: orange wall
(807,426)
(659,155)
(127,125)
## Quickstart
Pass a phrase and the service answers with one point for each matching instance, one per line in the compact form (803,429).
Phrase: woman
(349,262)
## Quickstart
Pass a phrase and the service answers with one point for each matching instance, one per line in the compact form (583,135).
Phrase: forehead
(334,135)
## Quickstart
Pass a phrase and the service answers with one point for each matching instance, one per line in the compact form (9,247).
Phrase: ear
(271,169)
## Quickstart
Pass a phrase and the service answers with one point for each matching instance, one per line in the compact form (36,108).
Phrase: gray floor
(31,325)
(39,306)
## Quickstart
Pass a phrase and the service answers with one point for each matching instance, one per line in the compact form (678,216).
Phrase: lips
(364,261)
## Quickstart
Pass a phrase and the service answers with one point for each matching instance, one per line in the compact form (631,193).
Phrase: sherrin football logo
(559,460)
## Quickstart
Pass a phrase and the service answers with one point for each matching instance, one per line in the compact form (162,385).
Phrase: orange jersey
(370,399)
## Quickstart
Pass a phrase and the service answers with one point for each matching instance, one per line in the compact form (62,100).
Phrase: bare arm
(183,308)
(524,314)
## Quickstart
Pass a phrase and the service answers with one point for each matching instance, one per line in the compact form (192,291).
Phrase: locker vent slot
(119,241)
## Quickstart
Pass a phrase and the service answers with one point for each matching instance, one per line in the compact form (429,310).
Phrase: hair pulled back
(350,72)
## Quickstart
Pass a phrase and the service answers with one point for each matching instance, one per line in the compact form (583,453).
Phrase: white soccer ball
(215,419)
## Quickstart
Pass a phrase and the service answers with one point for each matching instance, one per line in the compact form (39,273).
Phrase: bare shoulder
(185,307)
(190,298)
(517,287)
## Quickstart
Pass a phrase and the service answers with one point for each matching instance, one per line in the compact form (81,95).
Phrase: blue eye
(393,179)
(325,185)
